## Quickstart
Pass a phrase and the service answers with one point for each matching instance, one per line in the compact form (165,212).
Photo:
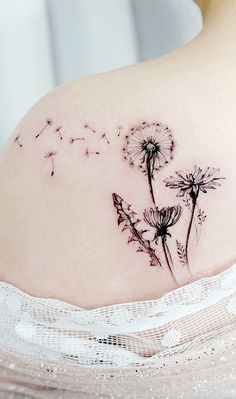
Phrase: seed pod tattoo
(149,147)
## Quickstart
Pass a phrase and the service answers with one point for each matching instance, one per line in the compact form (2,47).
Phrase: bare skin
(59,236)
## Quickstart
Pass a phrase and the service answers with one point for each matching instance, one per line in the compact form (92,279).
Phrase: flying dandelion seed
(50,155)
(48,123)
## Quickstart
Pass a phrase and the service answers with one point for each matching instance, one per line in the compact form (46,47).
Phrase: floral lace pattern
(164,337)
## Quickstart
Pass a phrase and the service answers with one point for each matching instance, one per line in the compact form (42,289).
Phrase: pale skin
(58,234)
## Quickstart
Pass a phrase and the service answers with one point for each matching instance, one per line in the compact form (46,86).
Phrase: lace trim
(143,333)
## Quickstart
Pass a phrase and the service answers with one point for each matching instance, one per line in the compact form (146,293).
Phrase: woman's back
(120,186)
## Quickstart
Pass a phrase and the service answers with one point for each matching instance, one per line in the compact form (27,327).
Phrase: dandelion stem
(149,170)
(166,252)
(169,254)
(194,201)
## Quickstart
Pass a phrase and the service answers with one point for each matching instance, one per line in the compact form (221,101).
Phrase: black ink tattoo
(48,123)
(88,153)
(104,136)
(187,202)
(130,222)
(190,185)
(201,217)
(50,155)
(17,140)
(86,126)
(181,253)
(119,128)
(161,221)
(149,147)
(73,139)
(58,131)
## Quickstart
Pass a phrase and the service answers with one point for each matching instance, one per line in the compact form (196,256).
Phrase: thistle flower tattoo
(149,146)
(191,184)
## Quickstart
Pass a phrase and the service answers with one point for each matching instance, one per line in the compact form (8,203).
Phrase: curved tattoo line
(128,217)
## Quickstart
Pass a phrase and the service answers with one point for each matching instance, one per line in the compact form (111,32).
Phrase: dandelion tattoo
(58,131)
(86,126)
(162,220)
(104,136)
(130,222)
(17,140)
(48,123)
(88,153)
(119,128)
(50,155)
(149,147)
(73,139)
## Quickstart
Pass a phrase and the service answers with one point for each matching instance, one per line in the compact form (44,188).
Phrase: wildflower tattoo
(191,184)
(149,147)
(162,220)
(130,221)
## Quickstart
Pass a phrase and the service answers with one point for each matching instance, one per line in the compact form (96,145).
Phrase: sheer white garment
(179,346)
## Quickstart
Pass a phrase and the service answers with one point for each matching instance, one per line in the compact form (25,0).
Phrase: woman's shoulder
(127,175)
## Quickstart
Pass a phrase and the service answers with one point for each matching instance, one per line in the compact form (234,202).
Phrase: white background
(44,43)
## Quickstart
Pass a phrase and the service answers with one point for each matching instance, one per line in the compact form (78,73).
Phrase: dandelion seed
(16,140)
(87,152)
(48,123)
(58,130)
(119,130)
(50,155)
(72,139)
(105,137)
(86,126)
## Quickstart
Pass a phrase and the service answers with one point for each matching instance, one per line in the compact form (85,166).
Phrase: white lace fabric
(181,345)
